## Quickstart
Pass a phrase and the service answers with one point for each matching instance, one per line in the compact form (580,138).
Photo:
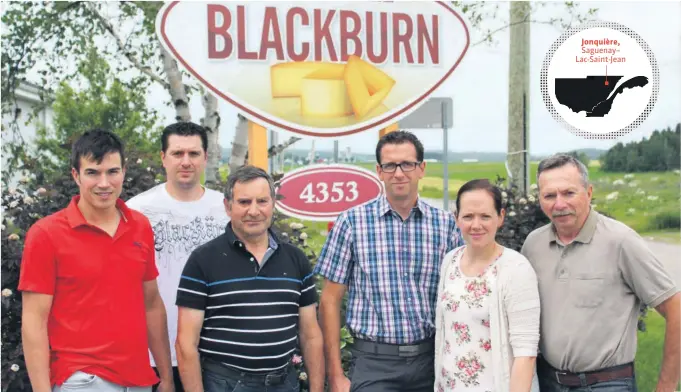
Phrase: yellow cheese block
(287,78)
(323,94)
(367,85)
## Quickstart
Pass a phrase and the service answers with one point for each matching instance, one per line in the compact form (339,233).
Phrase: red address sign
(322,192)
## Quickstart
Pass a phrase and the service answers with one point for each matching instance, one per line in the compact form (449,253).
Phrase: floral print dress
(465,305)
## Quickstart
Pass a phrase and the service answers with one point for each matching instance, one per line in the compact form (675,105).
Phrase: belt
(398,350)
(274,378)
(586,378)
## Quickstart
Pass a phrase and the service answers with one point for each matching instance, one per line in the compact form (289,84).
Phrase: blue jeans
(549,384)
(213,382)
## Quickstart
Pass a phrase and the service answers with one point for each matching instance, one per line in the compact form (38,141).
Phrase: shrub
(664,220)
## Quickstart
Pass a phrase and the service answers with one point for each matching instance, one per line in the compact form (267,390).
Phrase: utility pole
(335,151)
(519,96)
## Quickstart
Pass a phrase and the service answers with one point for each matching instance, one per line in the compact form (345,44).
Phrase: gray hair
(247,174)
(559,160)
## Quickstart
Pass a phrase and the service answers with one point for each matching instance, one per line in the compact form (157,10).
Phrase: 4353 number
(339,192)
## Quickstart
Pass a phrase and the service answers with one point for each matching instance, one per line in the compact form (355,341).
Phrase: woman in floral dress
(487,314)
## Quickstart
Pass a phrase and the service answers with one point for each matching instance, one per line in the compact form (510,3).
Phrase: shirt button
(252,259)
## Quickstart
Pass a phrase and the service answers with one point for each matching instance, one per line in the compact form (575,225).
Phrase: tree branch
(109,27)
(489,34)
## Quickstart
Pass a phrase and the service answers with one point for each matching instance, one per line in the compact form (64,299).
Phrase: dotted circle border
(586,134)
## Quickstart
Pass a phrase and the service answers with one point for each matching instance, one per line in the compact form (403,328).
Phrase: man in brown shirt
(594,272)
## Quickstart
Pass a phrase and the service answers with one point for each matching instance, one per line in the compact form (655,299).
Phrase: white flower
(522,201)
(303,376)
(677,171)
(628,176)
(531,199)
(148,169)
(618,182)
(612,196)
(6,293)
(654,178)
(631,211)
(533,187)
(28,200)
(512,213)
(12,191)
(652,197)
(3,227)
(303,236)
(633,184)
(13,237)
(157,181)
(640,191)
(14,368)
(504,194)
(41,192)
(25,180)
(139,160)
(296,226)
(14,204)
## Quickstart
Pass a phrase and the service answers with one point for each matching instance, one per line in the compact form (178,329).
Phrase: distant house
(469,160)
(27,124)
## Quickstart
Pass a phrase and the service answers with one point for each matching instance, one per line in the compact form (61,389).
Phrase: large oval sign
(317,68)
(322,192)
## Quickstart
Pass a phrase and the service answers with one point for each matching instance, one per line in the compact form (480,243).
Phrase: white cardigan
(514,316)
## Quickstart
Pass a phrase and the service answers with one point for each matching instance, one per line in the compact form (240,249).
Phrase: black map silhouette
(591,95)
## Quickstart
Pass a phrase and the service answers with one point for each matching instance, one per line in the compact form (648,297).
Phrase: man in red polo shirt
(91,306)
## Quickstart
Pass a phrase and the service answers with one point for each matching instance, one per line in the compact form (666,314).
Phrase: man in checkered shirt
(386,253)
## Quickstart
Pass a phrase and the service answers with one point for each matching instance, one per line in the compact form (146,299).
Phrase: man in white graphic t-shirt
(183,213)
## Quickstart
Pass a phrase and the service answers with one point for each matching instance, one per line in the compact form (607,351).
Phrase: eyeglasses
(405,166)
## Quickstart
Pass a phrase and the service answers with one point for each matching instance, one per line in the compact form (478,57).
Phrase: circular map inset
(600,80)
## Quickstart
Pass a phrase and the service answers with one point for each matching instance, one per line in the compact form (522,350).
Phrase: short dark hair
(559,160)
(244,174)
(480,184)
(94,144)
(184,128)
(399,137)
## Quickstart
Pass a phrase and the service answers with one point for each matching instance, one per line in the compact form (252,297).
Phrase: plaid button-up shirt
(391,268)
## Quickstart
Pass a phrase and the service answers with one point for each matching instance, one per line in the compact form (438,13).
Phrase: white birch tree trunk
(211,121)
(239,144)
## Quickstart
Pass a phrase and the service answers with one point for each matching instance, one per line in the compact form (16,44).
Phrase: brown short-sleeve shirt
(591,290)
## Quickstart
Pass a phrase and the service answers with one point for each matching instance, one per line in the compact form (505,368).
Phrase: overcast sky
(479,87)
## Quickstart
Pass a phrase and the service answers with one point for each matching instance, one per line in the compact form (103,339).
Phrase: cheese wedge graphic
(367,85)
(323,94)
(332,89)
(287,78)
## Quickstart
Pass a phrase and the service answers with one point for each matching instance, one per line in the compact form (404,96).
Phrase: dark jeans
(213,382)
(176,379)
(385,373)
(548,383)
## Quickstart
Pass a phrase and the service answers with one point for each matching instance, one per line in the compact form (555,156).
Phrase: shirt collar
(274,240)
(383,206)
(75,216)
(586,234)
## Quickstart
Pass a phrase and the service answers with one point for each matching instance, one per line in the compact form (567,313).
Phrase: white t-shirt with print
(179,227)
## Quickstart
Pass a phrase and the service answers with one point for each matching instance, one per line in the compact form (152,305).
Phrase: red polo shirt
(97,323)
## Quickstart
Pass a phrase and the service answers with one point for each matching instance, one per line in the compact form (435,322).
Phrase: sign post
(435,113)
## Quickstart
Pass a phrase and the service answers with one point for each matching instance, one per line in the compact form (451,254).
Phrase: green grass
(632,208)
(649,353)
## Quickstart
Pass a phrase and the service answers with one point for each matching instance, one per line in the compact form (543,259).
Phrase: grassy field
(649,353)
(647,202)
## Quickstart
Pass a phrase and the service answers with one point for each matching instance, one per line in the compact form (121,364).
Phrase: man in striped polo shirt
(386,254)
(244,298)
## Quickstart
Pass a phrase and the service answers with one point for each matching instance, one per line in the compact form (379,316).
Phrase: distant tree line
(658,153)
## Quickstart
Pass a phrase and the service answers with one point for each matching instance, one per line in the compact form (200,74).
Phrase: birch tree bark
(239,144)
(176,88)
(211,121)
